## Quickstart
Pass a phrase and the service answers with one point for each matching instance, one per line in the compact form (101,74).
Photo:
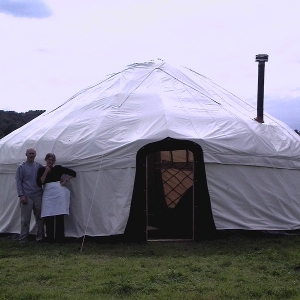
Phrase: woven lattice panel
(177,174)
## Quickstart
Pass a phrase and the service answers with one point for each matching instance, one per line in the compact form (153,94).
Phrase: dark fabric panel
(204,225)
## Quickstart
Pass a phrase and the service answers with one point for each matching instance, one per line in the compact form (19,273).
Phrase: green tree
(11,120)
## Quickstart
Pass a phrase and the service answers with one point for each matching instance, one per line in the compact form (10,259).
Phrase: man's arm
(19,180)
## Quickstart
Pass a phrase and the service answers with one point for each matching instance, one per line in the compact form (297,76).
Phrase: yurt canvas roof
(99,131)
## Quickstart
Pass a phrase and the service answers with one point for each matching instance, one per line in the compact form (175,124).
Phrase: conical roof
(109,121)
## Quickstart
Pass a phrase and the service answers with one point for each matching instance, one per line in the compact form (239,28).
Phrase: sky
(52,49)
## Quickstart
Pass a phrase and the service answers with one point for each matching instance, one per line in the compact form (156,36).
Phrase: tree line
(11,120)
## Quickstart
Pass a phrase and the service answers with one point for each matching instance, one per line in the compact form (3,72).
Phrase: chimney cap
(261,57)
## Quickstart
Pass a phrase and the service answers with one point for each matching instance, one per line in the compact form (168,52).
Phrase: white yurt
(161,152)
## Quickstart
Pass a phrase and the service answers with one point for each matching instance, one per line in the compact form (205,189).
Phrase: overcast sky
(51,49)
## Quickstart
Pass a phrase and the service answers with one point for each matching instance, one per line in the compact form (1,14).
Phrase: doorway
(170,195)
(170,198)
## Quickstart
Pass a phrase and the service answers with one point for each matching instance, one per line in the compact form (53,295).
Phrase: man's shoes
(42,241)
(23,243)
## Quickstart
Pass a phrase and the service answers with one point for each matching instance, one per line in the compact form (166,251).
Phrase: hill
(11,120)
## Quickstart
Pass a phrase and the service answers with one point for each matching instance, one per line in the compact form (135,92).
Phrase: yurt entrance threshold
(170,199)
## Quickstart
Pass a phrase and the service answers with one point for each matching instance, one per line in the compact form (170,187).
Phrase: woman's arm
(42,174)
(65,180)
(70,174)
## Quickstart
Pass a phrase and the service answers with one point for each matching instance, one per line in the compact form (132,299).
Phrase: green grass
(234,267)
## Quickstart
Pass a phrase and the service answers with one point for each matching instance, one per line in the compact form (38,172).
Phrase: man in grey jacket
(30,195)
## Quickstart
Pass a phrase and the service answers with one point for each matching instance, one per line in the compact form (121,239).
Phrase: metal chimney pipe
(261,59)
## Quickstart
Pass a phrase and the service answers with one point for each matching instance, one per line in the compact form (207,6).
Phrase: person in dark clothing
(56,197)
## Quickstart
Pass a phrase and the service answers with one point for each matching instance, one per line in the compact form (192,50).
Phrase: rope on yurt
(148,75)
(282,178)
(93,199)
(120,104)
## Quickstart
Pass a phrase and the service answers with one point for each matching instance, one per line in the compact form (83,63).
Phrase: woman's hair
(48,155)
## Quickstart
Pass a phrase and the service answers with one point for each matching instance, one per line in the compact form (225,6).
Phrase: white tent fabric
(252,169)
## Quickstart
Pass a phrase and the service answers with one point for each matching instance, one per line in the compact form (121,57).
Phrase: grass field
(236,266)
